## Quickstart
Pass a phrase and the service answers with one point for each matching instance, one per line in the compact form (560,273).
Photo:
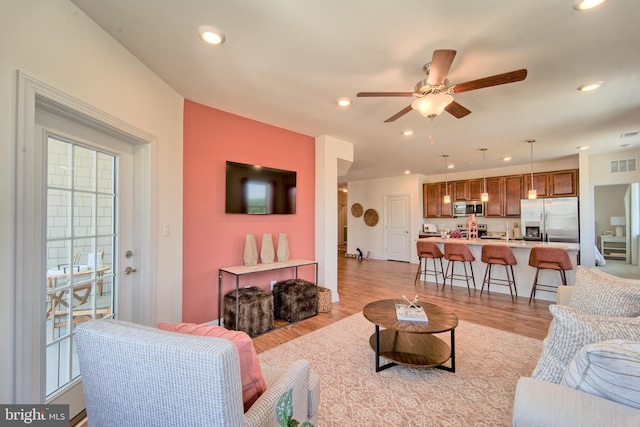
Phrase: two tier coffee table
(411,343)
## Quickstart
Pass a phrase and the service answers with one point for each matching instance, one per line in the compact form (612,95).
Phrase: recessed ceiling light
(450,166)
(211,35)
(589,86)
(407,132)
(506,159)
(344,102)
(407,172)
(583,147)
(587,4)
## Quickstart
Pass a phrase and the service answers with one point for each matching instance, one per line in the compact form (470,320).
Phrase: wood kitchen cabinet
(553,184)
(513,193)
(563,183)
(505,192)
(460,190)
(466,190)
(433,206)
(494,207)
(475,189)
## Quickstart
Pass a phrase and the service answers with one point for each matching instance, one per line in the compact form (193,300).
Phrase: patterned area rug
(480,392)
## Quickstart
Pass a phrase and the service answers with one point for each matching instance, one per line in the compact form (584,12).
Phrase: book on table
(410,314)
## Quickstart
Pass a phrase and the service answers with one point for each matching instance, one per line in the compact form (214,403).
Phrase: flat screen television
(259,190)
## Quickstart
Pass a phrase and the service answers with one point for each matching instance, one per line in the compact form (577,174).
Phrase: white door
(76,220)
(398,227)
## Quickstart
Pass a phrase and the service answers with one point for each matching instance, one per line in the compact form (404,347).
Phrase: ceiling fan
(434,94)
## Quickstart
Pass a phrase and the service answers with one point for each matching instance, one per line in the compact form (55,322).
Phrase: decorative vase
(283,248)
(266,250)
(472,227)
(250,250)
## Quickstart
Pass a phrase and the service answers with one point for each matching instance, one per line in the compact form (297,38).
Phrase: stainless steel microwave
(468,208)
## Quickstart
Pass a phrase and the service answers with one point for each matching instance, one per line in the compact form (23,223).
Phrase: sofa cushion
(608,369)
(574,329)
(253,384)
(596,292)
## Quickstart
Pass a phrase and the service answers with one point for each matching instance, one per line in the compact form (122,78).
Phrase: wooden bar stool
(548,258)
(499,255)
(429,250)
(459,252)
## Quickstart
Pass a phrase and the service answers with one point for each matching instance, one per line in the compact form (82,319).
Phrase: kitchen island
(524,274)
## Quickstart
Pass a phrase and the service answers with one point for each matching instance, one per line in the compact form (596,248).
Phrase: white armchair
(135,375)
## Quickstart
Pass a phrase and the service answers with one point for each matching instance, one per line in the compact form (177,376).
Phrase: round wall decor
(370,217)
(356,210)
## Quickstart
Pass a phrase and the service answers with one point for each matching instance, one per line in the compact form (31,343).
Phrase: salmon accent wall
(213,239)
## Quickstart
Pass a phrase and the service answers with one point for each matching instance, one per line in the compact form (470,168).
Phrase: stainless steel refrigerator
(550,220)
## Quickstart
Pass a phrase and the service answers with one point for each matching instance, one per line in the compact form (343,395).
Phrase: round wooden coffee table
(411,343)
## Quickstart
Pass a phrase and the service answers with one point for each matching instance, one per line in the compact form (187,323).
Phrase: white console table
(613,247)
(242,270)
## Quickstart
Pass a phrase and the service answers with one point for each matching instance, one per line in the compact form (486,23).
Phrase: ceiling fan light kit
(432,105)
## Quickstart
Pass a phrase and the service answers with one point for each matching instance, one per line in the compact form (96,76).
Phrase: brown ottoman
(255,314)
(294,300)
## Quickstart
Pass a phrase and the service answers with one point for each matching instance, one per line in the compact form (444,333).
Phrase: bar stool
(548,258)
(458,252)
(426,250)
(499,255)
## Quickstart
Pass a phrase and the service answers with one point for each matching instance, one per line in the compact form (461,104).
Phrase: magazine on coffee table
(411,314)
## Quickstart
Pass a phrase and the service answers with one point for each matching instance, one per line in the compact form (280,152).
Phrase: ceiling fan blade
(399,114)
(457,110)
(440,65)
(498,79)
(367,94)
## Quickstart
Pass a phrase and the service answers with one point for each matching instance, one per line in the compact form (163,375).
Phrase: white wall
(54,42)
(370,194)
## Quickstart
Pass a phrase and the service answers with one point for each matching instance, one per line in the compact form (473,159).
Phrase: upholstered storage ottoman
(294,300)
(255,315)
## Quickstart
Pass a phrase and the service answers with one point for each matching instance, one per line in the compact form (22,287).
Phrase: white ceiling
(286,62)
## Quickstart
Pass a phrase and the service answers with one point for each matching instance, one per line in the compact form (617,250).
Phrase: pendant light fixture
(533,193)
(484,197)
(447,198)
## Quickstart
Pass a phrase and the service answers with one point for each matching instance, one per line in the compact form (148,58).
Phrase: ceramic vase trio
(267,254)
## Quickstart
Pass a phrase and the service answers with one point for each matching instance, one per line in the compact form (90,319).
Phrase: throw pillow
(609,369)
(253,384)
(596,292)
(571,331)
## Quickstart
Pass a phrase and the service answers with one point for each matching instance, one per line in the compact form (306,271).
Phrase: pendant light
(447,198)
(484,197)
(533,193)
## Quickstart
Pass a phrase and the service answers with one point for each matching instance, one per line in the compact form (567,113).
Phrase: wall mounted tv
(259,190)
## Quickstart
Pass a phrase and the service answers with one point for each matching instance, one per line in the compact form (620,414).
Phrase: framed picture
(608,233)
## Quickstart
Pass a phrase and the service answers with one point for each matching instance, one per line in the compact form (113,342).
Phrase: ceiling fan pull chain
(430,130)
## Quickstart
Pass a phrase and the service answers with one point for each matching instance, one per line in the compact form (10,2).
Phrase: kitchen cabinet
(475,189)
(505,192)
(554,184)
(460,190)
(563,183)
(513,193)
(433,195)
(494,207)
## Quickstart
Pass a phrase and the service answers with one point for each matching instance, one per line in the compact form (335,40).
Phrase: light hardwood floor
(363,281)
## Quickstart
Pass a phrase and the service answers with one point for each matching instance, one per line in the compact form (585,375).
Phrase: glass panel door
(80,242)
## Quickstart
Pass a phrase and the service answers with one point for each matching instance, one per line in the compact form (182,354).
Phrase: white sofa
(135,375)
(541,403)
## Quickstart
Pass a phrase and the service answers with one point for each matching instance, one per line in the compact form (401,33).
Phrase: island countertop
(512,243)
